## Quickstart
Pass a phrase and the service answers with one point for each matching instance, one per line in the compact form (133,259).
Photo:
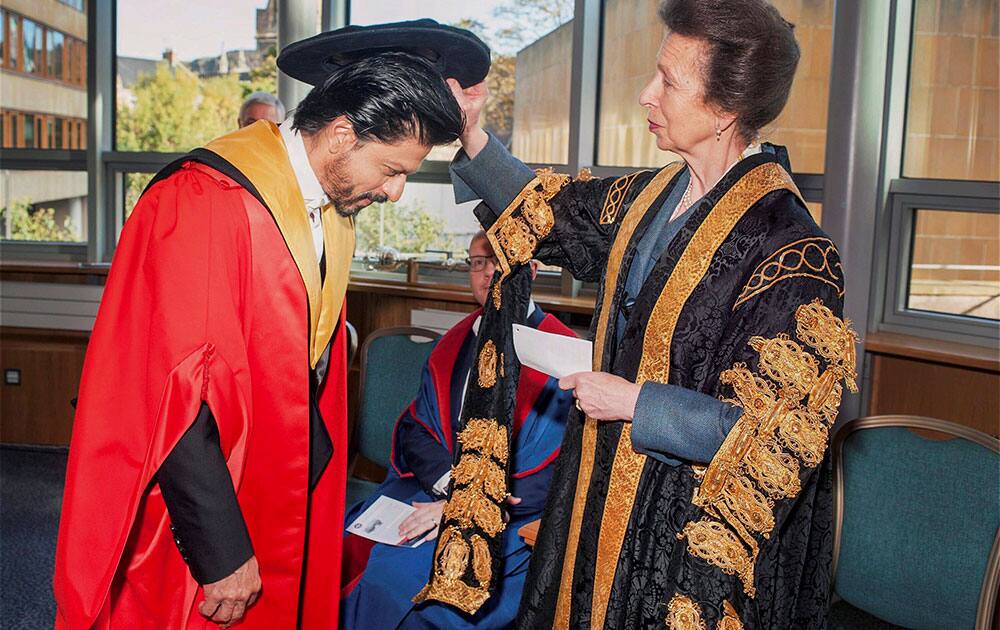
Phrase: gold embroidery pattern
(527,220)
(637,210)
(809,257)
(451,561)
(584,175)
(488,365)
(616,197)
(482,564)
(655,363)
(730,619)
(479,488)
(495,293)
(486,436)
(684,614)
(774,417)
(714,543)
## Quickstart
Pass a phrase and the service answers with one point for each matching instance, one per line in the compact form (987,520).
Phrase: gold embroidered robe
(743,304)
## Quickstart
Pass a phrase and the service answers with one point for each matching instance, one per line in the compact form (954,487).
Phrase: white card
(555,355)
(380,522)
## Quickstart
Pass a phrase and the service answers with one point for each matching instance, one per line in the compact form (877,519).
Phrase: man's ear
(339,136)
(534,268)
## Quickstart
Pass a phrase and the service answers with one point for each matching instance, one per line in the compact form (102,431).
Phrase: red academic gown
(205,301)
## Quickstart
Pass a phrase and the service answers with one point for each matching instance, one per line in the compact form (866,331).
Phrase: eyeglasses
(478,263)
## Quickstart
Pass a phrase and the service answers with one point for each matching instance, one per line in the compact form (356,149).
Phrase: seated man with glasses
(382,579)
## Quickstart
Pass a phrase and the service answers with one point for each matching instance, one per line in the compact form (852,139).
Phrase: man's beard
(341,192)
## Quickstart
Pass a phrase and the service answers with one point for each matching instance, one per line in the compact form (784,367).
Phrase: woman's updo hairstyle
(752,56)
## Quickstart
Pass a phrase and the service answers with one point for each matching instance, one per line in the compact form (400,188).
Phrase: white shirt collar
(309,184)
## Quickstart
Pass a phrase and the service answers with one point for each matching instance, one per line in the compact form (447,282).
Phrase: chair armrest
(529,532)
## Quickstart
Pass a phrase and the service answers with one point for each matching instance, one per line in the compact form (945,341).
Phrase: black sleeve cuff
(206,520)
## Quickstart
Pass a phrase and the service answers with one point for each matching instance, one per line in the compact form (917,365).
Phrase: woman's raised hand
(471,100)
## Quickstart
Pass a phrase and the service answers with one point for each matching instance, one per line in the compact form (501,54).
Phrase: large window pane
(632,33)
(31,35)
(955,267)
(953,114)
(532,44)
(36,113)
(426,219)
(175,89)
(54,54)
(13,45)
(43,205)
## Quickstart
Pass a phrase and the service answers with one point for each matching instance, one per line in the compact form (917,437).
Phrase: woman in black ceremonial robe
(693,484)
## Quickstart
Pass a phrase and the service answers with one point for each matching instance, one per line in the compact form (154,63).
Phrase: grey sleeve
(672,423)
(495,176)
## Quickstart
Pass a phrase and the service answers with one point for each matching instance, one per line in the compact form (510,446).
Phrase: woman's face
(674,97)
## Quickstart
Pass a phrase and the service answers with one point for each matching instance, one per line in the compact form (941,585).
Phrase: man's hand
(425,519)
(603,396)
(227,600)
(471,100)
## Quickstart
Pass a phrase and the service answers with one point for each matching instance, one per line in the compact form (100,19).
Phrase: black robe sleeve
(207,523)
(586,212)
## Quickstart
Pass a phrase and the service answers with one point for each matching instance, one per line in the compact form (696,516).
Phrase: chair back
(352,342)
(916,539)
(391,362)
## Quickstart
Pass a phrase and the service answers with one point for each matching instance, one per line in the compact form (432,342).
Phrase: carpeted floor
(31,486)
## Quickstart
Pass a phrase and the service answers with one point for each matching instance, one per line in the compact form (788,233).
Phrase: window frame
(106,167)
(903,196)
(24,158)
(907,197)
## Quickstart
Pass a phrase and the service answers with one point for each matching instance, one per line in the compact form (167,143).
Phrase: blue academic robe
(378,594)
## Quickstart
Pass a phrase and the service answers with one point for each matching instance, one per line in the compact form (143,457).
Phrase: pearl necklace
(685,201)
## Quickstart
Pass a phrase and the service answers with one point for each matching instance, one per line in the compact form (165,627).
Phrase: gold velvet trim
(791,404)
(259,153)
(527,220)
(806,258)
(629,224)
(616,197)
(691,267)
(588,446)
(684,614)
(655,363)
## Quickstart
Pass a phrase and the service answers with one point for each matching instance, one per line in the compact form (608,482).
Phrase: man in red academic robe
(207,469)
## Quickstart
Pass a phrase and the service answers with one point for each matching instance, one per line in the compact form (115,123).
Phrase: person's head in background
(372,123)
(482,264)
(261,106)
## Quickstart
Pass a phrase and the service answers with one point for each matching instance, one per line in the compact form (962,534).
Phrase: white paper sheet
(380,522)
(555,355)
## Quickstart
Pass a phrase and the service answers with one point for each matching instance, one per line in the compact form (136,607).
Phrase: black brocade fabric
(496,402)
(792,574)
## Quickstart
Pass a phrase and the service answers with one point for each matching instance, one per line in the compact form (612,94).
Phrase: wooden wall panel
(38,411)
(963,395)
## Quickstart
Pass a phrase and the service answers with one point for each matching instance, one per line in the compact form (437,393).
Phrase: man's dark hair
(387,97)
(752,56)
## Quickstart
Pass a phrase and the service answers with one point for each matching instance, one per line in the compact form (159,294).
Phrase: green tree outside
(22,223)
(409,228)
